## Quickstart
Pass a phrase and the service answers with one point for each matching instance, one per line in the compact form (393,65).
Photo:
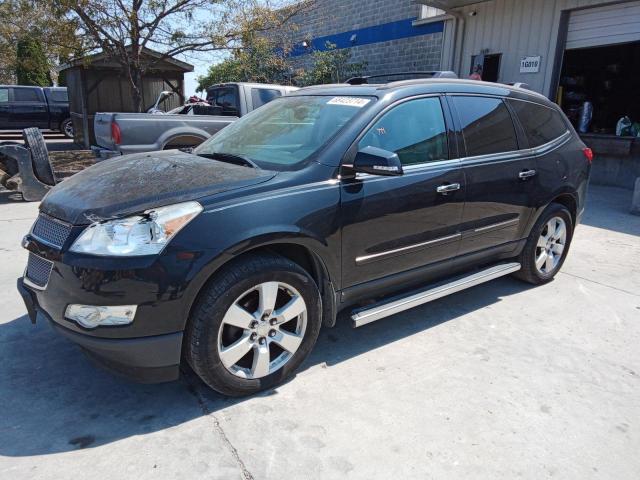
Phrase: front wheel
(253,325)
(547,246)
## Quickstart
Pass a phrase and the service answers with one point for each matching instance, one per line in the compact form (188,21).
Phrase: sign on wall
(530,64)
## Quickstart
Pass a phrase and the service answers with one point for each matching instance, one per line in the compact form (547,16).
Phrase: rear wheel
(253,325)
(66,127)
(547,246)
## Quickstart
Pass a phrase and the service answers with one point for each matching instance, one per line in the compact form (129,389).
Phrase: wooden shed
(97,83)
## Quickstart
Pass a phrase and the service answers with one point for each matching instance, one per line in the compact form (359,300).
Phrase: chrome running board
(382,310)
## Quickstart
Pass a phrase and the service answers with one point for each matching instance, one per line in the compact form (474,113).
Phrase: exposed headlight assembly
(145,234)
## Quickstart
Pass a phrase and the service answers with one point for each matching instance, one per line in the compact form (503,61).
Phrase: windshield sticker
(349,101)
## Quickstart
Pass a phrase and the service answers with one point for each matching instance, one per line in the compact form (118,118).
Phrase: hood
(137,182)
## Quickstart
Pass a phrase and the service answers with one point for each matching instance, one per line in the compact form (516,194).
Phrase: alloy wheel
(262,330)
(551,245)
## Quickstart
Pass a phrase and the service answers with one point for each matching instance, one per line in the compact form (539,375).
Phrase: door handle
(451,187)
(527,174)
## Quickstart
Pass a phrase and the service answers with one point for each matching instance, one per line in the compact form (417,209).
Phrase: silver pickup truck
(187,126)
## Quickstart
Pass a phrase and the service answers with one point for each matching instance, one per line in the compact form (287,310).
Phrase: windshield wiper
(231,158)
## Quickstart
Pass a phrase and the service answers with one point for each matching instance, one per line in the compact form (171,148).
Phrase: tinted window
(25,95)
(227,98)
(541,124)
(486,125)
(4,95)
(58,95)
(415,130)
(260,96)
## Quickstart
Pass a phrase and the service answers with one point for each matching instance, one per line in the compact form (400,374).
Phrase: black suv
(367,199)
(41,107)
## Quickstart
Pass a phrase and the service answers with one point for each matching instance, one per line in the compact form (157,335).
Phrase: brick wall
(330,17)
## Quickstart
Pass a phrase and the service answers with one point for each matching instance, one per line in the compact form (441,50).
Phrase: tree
(36,20)
(330,66)
(123,28)
(259,59)
(32,65)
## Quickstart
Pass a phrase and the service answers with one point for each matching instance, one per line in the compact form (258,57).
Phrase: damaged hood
(133,183)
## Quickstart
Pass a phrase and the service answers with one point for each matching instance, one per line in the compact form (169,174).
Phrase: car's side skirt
(390,307)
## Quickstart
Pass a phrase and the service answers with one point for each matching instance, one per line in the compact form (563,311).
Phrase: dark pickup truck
(42,107)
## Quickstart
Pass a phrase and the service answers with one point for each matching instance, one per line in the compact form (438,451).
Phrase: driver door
(392,224)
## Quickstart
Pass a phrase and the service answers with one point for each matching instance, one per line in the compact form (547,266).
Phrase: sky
(190,79)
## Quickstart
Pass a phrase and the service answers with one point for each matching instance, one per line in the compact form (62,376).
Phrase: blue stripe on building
(369,35)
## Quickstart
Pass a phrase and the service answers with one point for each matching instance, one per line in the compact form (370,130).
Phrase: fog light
(90,316)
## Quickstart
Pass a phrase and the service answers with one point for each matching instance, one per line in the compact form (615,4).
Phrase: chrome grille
(51,231)
(38,270)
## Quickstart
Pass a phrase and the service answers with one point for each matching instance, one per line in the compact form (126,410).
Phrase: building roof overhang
(448,5)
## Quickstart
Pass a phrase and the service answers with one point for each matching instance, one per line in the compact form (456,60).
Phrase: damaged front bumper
(147,359)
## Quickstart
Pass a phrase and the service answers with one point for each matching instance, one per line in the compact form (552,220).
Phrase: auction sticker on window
(349,101)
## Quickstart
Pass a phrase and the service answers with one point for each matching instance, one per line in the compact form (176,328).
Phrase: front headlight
(145,234)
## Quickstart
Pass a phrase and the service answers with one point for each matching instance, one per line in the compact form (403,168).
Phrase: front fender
(305,215)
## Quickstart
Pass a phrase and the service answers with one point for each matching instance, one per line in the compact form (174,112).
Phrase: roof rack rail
(526,86)
(363,80)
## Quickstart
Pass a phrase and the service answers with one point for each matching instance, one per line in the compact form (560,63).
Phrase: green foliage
(38,19)
(259,60)
(331,66)
(32,65)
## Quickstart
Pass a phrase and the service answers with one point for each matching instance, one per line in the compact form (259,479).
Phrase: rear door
(395,224)
(28,108)
(500,178)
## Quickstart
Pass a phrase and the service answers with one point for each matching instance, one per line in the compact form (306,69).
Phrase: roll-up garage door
(592,27)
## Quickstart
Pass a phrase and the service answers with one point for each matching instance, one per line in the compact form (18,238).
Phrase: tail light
(116,134)
(588,154)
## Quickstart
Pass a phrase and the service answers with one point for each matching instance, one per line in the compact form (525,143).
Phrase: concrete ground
(498,382)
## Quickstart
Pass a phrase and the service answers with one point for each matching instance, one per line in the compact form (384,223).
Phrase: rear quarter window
(59,96)
(486,124)
(260,96)
(26,95)
(541,124)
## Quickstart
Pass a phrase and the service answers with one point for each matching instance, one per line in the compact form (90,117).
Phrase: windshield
(285,132)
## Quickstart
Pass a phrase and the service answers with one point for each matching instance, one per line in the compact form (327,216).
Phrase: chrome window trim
(519,154)
(435,166)
(375,256)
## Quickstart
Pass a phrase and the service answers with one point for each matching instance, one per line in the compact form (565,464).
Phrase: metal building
(519,29)
(582,54)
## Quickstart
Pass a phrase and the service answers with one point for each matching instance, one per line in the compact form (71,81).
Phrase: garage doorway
(606,76)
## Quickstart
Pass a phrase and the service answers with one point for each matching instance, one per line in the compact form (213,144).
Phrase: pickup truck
(188,126)
(42,107)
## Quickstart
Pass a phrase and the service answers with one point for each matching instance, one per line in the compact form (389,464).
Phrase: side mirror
(376,161)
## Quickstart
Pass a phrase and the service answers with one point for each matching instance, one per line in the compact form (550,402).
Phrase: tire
(66,127)
(539,240)
(34,140)
(242,284)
